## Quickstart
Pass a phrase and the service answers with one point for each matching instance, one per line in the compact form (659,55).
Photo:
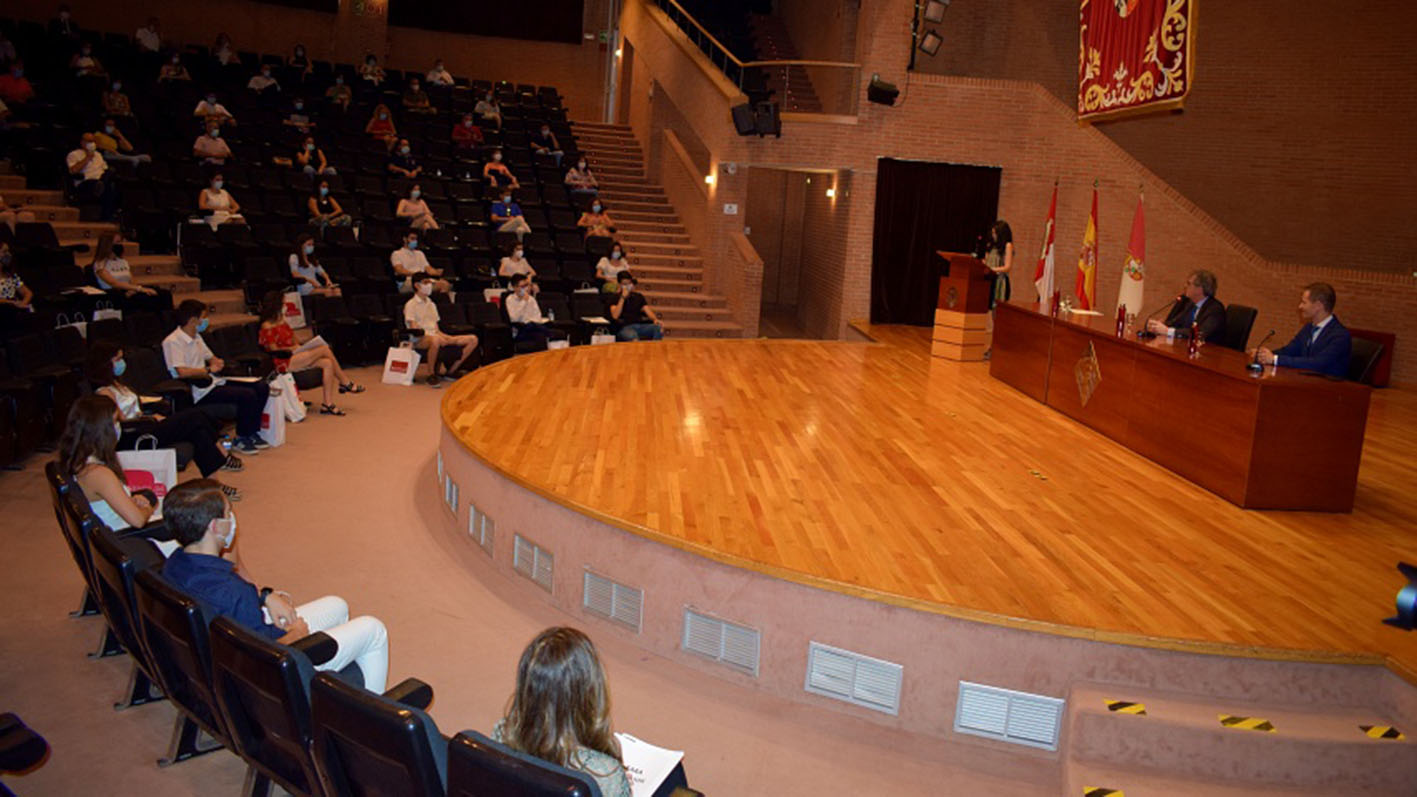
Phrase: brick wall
(775,217)
(825,256)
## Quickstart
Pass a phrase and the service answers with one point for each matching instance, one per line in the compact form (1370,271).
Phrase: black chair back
(73,523)
(1239,320)
(368,744)
(173,626)
(1363,359)
(480,767)
(116,563)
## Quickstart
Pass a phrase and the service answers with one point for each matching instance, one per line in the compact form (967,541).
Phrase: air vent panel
(612,600)
(733,645)
(854,678)
(1008,715)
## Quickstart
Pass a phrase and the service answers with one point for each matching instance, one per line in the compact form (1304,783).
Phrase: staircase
(667,264)
(157,271)
(792,84)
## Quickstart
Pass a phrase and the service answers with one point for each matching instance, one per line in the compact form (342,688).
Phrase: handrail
(705,32)
(741,64)
(791,62)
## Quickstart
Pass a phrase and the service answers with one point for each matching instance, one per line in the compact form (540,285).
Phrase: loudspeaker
(769,122)
(882,92)
(744,121)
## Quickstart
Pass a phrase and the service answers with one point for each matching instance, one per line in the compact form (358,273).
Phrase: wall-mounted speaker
(744,121)
(882,92)
(760,119)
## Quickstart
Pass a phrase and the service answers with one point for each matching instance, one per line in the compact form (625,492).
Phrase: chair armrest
(195,381)
(412,693)
(319,647)
(156,530)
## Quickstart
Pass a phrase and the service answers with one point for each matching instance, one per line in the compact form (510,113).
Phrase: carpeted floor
(348,507)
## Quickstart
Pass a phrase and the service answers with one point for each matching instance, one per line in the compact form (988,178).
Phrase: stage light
(831,193)
(935,10)
(708,178)
(930,42)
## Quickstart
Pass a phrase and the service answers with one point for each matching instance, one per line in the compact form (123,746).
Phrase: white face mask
(89,145)
(425,289)
(415,193)
(496,156)
(230,536)
(517,255)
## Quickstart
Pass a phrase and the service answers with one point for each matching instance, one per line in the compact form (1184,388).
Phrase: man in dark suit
(1323,344)
(1196,304)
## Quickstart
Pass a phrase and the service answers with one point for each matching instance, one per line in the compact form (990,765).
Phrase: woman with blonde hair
(560,711)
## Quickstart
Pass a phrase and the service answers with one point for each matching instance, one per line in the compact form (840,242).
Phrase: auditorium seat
(1239,320)
(365,743)
(116,562)
(480,767)
(75,536)
(21,748)
(1363,359)
(32,359)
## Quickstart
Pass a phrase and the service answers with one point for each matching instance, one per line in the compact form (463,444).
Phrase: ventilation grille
(1009,716)
(722,641)
(481,527)
(854,678)
(450,493)
(613,600)
(532,561)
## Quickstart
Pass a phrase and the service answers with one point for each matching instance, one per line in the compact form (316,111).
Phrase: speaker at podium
(962,313)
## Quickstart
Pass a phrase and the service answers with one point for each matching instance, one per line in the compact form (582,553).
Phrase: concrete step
(227,302)
(49,213)
(599,152)
(180,284)
(686,300)
(647,215)
(1081,779)
(671,313)
(635,238)
(219,320)
(676,284)
(24,196)
(648,227)
(83,258)
(82,230)
(660,260)
(601,127)
(9,182)
(652,272)
(643,194)
(144,265)
(640,248)
(702,329)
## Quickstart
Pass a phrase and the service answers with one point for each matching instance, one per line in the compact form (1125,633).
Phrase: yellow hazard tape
(1126,707)
(1246,723)
(1383,732)
(1099,791)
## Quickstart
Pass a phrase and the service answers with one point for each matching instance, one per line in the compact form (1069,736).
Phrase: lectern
(962,314)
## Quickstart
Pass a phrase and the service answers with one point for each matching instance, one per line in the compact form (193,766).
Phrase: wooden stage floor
(876,470)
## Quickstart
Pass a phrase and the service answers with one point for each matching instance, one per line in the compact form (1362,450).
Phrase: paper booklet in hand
(310,344)
(646,765)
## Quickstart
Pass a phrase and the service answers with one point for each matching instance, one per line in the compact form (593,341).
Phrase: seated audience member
(306,271)
(203,522)
(560,710)
(209,110)
(299,116)
(631,315)
(7,49)
(1196,304)
(262,81)
(115,102)
(524,313)
(13,290)
(88,454)
(325,210)
(188,358)
(380,124)
(63,28)
(88,173)
(580,179)
(173,70)
(311,159)
(339,94)
(516,264)
(371,71)
(299,60)
(148,38)
(420,313)
(112,273)
(224,51)
(15,88)
(496,173)
(409,262)
(104,368)
(223,208)
(276,335)
(1323,344)
(544,143)
(402,162)
(596,222)
(114,146)
(507,215)
(210,148)
(415,209)
(10,214)
(439,74)
(489,111)
(467,135)
(86,64)
(415,99)
(609,268)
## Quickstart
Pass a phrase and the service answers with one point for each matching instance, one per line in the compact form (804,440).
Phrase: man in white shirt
(89,173)
(209,110)
(262,80)
(188,357)
(439,74)
(421,314)
(148,37)
(524,313)
(409,262)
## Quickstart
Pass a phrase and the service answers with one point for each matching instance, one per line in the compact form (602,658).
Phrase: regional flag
(1086,288)
(1133,268)
(1043,274)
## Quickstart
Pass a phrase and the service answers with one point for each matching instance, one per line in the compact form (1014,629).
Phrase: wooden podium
(962,314)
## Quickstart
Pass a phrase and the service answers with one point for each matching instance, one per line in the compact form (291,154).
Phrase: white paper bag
(61,320)
(273,421)
(601,338)
(558,344)
(400,364)
(294,310)
(290,397)
(149,468)
(106,310)
(493,295)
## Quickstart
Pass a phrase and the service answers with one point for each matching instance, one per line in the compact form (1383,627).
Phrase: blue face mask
(309,250)
(202,325)
(412,244)
(324,191)
(120,366)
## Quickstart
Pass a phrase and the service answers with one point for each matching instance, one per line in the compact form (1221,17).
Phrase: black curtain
(920,208)
(538,20)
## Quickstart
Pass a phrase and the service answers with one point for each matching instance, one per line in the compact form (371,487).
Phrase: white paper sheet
(646,764)
(310,344)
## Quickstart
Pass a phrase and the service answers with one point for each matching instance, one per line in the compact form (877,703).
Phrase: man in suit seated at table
(1322,345)
(1196,304)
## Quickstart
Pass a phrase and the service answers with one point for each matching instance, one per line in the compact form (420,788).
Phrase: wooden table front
(1281,440)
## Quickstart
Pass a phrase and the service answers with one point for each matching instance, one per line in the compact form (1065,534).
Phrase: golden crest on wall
(1088,373)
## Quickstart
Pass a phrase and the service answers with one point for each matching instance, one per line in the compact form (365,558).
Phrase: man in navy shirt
(507,214)
(1323,344)
(201,519)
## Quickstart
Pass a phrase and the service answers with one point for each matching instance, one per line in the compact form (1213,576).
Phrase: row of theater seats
(308,733)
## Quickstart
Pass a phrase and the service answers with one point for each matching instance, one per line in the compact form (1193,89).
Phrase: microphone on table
(1144,333)
(1255,367)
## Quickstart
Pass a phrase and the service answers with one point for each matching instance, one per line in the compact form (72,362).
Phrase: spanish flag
(1086,289)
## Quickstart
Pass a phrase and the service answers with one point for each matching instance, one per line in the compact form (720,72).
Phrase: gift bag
(294,310)
(273,421)
(493,295)
(586,288)
(290,396)
(149,468)
(601,337)
(61,320)
(400,364)
(105,310)
(558,344)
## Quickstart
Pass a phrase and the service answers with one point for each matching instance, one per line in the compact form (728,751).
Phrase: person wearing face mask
(402,163)
(466,134)
(609,268)
(489,111)
(439,74)
(325,210)
(63,27)
(415,99)
(307,273)
(581,180)
(263,81)
(223,50)
(115,146)
(203,522)
(189,359)
(299,60)
(507,215)
(545,143)
(496,173)
(409,262)
(113,274)
(88,173)
(115,102)
(148,38)
(86,64)
(299,116)
(631,316)
(173,70)
(15,88)
(88,454)
(277,338)
(222,208)
(524,314)
(596,222)
(514,264)
(210,148)
(311,159)
(105,367)
(15,295)
(339,94)
(381,123)
(209,111)
(371,71)
(415,209)
(420,315)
